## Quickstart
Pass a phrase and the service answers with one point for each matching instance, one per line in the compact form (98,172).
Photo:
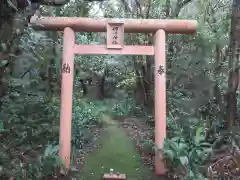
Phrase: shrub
(186,152)
(86,115)
(29,123)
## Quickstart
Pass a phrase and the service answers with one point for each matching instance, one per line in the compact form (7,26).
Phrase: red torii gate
(115,29)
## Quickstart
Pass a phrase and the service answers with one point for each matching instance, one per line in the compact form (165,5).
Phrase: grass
(118,153)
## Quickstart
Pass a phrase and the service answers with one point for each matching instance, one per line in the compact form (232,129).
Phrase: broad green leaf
(183,160)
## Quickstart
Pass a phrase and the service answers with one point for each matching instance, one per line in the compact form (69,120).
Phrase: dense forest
(113,101)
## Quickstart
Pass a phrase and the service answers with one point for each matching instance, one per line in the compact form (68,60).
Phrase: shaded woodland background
(202,85)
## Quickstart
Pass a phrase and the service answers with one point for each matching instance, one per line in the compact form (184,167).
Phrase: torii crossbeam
(115,29)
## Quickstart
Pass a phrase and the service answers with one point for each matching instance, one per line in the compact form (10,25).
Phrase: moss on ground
(117,152)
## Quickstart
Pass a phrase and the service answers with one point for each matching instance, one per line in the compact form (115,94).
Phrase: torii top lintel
(80,24)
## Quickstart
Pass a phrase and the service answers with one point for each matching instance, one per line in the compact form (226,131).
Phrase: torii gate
(115,29)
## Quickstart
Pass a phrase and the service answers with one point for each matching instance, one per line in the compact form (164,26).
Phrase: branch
(126,6)
(148,9)
(179,6)
(216,4)
(54,2)
(167,8)
(129,10)
(140,8)
(25,73)
(186,2)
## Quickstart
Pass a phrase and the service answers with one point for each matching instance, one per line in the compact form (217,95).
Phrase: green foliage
(187,149)
(24,124)
(45,166)
(22,129)
(30,82)
(123,107)
(86,115)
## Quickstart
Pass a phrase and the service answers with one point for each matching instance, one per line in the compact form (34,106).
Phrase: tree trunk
(233,65)
(51,69)
(102,84)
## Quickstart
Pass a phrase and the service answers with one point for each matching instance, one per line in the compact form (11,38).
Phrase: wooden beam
(67,71)
(160,100)
(102,49)
(100,25)
(110,176)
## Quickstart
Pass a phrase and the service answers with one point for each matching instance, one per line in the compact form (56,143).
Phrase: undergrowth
(29,130)
(191,153)
(186,149)
(191,150)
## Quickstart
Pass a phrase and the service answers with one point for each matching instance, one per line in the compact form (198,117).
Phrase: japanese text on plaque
(115,35)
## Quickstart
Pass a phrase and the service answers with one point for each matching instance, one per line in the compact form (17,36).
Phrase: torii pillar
(115,45)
